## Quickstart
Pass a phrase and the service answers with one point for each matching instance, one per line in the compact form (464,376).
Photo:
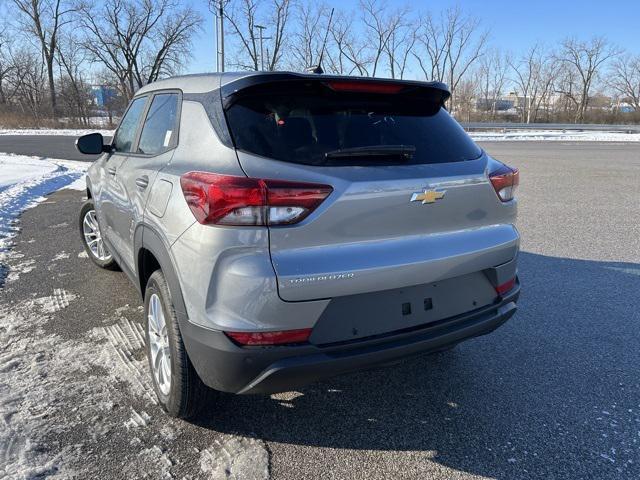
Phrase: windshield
(313,127)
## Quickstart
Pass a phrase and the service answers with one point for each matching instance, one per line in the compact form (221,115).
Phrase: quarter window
(158,133)
(126,133)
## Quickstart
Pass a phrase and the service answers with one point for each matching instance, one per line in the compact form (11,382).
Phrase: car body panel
(368,235)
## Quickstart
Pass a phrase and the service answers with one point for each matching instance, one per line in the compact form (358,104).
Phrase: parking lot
(554,393)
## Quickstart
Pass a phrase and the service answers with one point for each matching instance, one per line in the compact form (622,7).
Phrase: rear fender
(147,238)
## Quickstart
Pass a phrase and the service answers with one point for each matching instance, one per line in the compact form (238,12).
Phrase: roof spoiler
(436,91)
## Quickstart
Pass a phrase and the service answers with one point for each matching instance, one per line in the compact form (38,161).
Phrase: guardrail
(580,127)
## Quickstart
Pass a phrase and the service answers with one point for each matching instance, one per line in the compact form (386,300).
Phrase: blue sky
(514,24)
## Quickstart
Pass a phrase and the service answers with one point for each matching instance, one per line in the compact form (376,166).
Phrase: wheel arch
(88,182)
(153,253)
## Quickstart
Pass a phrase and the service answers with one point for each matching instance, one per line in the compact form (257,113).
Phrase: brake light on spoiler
(365,87)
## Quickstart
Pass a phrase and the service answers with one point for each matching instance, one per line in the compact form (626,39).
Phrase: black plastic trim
(227,367)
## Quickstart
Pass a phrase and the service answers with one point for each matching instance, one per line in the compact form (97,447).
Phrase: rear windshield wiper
(403,151)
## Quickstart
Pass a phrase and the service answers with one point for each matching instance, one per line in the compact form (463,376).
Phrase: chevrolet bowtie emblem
(427,196)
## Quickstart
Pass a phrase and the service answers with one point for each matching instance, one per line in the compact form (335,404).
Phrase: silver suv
(286,227)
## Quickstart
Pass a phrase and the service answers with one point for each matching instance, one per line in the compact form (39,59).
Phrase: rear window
(309,124)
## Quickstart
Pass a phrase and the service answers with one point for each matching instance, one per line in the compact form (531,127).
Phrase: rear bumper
(224,366)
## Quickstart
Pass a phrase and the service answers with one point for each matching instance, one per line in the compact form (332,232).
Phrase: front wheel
(176,383)
(92,239)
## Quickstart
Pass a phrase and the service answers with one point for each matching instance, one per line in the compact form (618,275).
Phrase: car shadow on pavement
(553,393)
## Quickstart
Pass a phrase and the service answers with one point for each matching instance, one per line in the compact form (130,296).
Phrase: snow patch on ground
(18,265)
(61,256)
(555,135)
(125,339)
(69,132)
(157,463)
(137,419)
(23,183)
(236,458)
(56,302)
(54,388)
(42,375)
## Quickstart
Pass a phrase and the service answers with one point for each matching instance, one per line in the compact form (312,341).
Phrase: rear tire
(177,385)
(91,237)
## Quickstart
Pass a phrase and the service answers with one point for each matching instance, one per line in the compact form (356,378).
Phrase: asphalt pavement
(554,393)
(53,146)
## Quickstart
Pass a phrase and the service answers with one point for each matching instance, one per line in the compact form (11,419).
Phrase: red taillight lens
(506,286)
(365,87)
(230,200)
(271,338)
(504,180)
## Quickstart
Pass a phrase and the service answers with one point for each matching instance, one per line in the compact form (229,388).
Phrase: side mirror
(92,144)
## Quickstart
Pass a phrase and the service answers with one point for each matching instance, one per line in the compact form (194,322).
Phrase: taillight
(284,337)
(365,87)
(504,180)
(230,200)
(506,286)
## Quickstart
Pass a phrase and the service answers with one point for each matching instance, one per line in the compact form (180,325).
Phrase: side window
(158,132)
(126,134)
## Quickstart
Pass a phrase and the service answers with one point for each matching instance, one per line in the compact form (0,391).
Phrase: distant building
(486,105)
(103,94)
(624,107)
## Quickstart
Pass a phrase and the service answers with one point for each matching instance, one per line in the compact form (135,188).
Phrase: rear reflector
(506,286)
(230,200)
(365,87)
(505,180)
(283,337)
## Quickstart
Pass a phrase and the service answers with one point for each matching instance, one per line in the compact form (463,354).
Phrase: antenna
(318,68)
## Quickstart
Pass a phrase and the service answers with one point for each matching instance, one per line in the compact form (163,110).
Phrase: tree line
(569,81)
(52,51)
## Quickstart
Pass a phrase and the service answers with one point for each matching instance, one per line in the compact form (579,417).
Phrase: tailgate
(369,236)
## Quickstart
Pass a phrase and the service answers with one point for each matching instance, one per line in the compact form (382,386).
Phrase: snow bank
(69,132)
(555,135)
(14,171)
(23,183)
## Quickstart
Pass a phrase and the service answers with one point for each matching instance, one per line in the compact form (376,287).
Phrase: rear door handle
(111,170)
(142,182)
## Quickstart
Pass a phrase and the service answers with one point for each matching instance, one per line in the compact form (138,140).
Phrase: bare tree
(45,19)
(348,54)
(625,79)
(380,25)
(244,16)
(311,25)
(6,66)
(72,58)
(401,42)
(492,78)
(450,46)
(139,40)
(534,74)
(29,80)
(585,58)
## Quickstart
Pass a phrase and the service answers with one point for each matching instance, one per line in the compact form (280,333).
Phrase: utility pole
(261,28)
(219,13)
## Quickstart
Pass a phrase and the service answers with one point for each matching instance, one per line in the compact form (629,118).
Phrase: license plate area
(364,315)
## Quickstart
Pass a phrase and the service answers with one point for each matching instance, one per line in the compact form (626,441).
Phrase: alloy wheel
(159,345)
(93,237)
